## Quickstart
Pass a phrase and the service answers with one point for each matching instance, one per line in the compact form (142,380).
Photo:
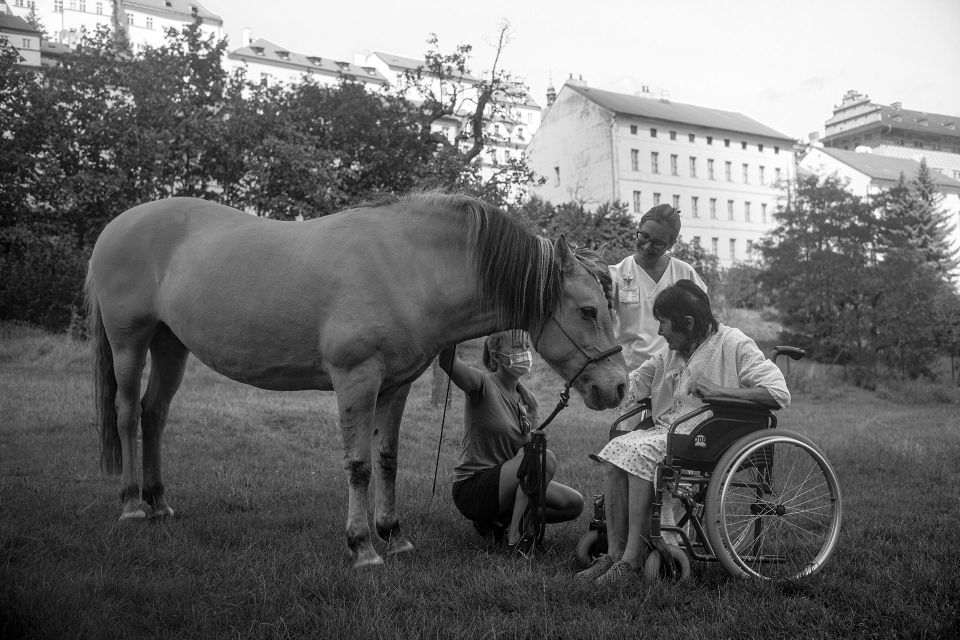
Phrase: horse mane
(515,269)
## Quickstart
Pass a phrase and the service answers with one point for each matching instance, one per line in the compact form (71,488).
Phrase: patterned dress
(727,358)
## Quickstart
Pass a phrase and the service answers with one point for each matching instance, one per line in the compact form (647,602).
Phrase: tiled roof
(272,53)
(180,7)
(905,119)
(884,168)
(10,22)
(411,64)
(677,112)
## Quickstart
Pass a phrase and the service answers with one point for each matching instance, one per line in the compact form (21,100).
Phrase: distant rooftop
(180,7)
(884,168)
(678,112)
(10,22)
(265,51)
(412,64)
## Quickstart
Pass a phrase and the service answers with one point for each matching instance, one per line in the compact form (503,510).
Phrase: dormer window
(284,55)
(315,61)
(896,117)
(258,50)
(168,3)
(370,71)
(193,11)
(344,66)
(950,125)
(922,122)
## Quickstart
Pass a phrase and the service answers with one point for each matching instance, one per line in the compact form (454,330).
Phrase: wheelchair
(762,501)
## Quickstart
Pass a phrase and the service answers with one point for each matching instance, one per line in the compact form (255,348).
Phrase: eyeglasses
(643,239)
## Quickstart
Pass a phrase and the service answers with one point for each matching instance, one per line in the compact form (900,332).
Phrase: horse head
(581,327)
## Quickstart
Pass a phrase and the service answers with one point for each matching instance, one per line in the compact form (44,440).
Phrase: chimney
(896,106)
(575,82)
(246,37)
(664,95)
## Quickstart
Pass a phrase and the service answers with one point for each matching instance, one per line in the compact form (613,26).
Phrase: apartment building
(722,169)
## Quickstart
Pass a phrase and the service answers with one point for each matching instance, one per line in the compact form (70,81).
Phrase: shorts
(478,498)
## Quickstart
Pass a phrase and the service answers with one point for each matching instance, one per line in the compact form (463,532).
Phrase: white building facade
(723,170)
(146,21)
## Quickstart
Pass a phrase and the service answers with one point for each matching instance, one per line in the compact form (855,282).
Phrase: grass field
(257,548)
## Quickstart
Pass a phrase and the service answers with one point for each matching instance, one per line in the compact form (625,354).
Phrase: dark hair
(665,215)
(684,298)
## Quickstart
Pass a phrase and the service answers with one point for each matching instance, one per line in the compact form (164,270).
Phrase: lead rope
(443,419)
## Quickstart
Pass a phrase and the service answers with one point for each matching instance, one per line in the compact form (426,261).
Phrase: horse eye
(589,312)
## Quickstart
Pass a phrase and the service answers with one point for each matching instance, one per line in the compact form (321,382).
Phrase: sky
(783,63)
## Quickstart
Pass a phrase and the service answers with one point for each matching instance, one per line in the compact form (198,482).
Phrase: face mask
(520,362)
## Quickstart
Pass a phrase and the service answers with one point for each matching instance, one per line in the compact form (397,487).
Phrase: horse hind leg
(168,360)
(386,443)
(129,360)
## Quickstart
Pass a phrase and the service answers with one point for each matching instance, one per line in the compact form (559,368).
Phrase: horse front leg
(386,439)
(357,399)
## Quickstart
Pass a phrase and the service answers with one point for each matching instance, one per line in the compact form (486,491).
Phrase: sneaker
(596,569)
(619,574)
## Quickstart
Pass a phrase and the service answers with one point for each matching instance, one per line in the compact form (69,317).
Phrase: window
(676,202)
(761,174)
(637,208)
(694,202)
(746,211)
(18,3)
(520,133)
(654,162)
(633,129)
(728,168)
(673,165)
(73,5)
(749,247)
(729,209)
(696,240)
(635,159)
(130,18)
(776,150)
(656,199)
(692,137)
(733,248)
(26,43)
(653,133)
(150,26)
(760,148)
(556,176)
(529,118)
(776,174)
(264,79)
(99,7)
(709,139)
(713,208)
(693,167)
(763,212)
(743,144)
(444,130)
(83,5)
(715,245)
(58,6)
(673,135)
(746,173)
(726,142)
(709,169)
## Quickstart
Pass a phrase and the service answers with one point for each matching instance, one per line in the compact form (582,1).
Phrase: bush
(43,278)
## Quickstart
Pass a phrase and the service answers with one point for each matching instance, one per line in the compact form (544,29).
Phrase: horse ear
(562,251)
(602,250)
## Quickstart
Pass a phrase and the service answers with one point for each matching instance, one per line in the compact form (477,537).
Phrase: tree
(931,227)
(610,225)
(447,91)
(34,21)
(704,262)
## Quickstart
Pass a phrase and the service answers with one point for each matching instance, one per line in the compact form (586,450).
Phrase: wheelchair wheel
(654,568)
(589,547)
(773,507)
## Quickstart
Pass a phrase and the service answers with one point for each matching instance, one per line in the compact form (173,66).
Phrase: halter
(565,394)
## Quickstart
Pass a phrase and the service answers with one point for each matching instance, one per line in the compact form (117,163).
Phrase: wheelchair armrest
(736,403)
(643,405)
(791,352)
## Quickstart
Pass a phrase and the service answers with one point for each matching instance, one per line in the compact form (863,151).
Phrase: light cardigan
(727,358)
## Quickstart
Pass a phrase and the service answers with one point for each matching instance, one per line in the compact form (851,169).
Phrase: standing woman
(638,279)
(499,415)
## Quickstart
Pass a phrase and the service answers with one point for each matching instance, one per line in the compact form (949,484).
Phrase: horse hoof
(362,562)
(398,545)
(132,512)
(162,512)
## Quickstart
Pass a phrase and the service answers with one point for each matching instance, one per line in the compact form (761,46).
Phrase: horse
(358,302)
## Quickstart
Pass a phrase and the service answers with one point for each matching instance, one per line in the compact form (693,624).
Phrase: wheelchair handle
(791,352)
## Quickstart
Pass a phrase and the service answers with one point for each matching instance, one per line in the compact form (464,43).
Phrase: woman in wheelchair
(499,414)
(702,359)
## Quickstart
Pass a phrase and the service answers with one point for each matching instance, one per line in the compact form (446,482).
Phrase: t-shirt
(494,431)
(637,332)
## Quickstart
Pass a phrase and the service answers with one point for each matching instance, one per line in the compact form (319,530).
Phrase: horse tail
(104,383)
